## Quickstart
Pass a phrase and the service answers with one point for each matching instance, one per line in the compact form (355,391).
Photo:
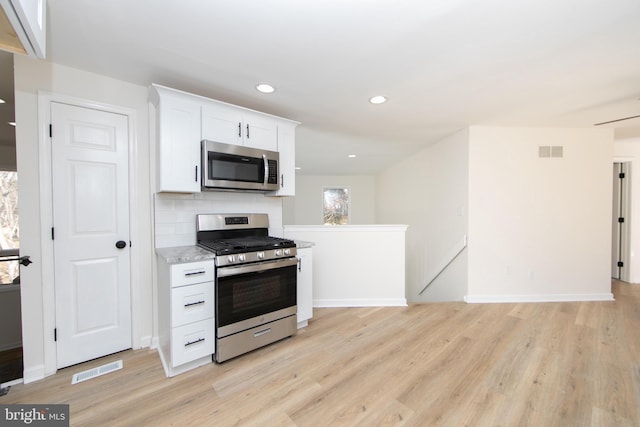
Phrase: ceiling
(443,64)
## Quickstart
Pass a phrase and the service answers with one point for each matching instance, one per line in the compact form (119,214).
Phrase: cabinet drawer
(192,272)
(191,342)
(191,303)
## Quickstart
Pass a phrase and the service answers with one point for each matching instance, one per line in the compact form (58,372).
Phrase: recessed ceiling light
(265,88)
(351,156)
(378,99)
(12,123)
(2,101)
(298,168)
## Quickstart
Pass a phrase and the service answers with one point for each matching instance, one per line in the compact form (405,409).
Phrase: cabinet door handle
(196,173)
(239,130)
(191,304)
(299,264)
(247,130)
(282,181)
(194,342)
(194,273)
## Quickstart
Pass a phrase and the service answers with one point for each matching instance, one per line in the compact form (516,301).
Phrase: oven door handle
(257,267)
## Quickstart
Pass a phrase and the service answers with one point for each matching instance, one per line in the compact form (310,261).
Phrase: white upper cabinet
(222,124)
(287,164)
(235,125)
(260,131)
(178,148)
(183,120)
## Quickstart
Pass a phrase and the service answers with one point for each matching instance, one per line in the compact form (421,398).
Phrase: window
(9,270)
(336,206)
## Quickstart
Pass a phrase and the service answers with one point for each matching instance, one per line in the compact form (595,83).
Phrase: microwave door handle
(266,169)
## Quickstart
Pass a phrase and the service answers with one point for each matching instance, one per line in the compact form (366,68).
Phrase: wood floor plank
(443,364)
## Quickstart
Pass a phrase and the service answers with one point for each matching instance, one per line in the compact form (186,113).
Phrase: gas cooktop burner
(246,244)
(241,239)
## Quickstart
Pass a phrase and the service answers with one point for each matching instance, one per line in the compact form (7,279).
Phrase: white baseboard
(473,299)
(372,302)
(145,342)
(10,383)
(155,343)
(33,374)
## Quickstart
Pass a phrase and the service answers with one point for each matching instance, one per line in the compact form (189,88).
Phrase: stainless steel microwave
(235,167)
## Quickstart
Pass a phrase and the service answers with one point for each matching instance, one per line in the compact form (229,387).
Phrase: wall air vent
(548,151)
(544,151)
(556,151)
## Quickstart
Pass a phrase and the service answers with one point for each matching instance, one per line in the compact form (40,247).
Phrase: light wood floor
(452,364)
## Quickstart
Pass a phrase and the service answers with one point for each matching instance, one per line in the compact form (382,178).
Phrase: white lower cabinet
(191,342)
(305,288)
(185,315)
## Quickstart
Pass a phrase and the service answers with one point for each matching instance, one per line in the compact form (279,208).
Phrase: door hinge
(55,334)
(620,264)
(50,130)
(621,220)
(53,234)
(621,175)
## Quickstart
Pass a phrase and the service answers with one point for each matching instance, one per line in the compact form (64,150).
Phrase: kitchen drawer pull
(260,333)
(247,130)
(239,130)
(191,304)
(194,273)
(194,342)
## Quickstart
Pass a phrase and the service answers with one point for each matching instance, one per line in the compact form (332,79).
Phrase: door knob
(121,244)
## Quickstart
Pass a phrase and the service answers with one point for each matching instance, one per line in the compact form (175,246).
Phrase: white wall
(629,151)
(429,193)
(539,228)
(32,76)
(349,269)
(175,214)
(306,207)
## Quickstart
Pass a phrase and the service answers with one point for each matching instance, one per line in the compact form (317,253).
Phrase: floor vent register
(96,372)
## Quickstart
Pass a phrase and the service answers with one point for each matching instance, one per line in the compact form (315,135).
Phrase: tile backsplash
(175,214)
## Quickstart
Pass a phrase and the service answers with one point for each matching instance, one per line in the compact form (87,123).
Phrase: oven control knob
(278,252)
(241,258)
(260,255)
(287,251)
(231,259)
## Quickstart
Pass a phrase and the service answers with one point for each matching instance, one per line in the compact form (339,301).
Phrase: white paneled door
(90,185)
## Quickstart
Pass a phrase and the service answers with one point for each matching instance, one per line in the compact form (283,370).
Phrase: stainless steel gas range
(255,282)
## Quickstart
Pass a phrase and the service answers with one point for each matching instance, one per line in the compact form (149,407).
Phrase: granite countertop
(301,244)
(181,254)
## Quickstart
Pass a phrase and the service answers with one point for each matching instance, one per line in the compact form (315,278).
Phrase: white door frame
(46,219)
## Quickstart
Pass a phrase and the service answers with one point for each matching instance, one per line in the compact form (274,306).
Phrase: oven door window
(232,167)
(249,295)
